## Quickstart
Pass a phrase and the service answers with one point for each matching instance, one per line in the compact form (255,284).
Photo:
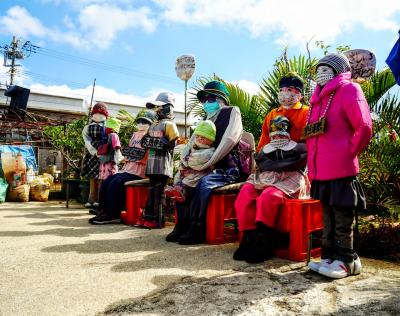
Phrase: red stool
(221,209)
(136,198)
(299,218)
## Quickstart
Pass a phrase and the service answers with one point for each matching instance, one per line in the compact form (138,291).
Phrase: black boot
(195,235)
(246,242)
(180,228)
(263,246)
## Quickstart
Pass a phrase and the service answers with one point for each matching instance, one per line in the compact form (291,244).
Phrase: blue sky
(236,39)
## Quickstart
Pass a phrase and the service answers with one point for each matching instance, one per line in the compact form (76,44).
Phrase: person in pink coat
(338,128)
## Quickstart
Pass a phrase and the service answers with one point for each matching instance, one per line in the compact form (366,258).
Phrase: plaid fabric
(160,162)
(90,167)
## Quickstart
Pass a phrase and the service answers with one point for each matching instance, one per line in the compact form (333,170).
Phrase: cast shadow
(222,295)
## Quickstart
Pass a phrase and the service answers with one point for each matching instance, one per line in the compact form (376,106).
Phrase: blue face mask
(211,107)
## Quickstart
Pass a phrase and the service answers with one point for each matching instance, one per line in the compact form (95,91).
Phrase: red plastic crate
(220,208)
(136,198)
(299,218)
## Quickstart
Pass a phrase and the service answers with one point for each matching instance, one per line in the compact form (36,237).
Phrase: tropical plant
(380,162)
(251,108)
(128,126)
(68,140)
(301,65)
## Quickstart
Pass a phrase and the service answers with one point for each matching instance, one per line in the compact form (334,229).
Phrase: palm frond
(301,65)
(377,86)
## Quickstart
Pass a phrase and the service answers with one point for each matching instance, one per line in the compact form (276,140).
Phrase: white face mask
(98,118)
(324,75)
(279,141)
(201,145)
(142,127)
(288,98)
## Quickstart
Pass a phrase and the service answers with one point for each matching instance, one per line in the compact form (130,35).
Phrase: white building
(67,108)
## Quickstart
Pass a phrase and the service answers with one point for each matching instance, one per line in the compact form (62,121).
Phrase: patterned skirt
(90,167)
(344,192)
(107,169)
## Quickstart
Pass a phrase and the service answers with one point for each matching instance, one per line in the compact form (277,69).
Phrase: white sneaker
(338,269)
(95,204)
(314,265)
(88,205)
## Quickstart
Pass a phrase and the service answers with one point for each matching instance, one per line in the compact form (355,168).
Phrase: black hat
(291,81)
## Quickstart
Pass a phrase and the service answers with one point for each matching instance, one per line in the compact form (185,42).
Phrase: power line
(104,66)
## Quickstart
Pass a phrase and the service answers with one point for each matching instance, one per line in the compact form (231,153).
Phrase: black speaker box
(19,97)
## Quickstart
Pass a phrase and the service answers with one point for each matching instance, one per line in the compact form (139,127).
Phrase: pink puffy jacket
(333,154)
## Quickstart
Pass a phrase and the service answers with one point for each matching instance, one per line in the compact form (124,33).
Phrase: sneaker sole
(112,221)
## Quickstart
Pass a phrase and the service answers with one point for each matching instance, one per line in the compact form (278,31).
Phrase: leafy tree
(68,139)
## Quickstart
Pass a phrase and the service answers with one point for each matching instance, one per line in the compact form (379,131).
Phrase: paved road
(53,262)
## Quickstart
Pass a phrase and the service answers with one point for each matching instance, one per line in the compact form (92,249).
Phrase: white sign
(362,62)
(185,66)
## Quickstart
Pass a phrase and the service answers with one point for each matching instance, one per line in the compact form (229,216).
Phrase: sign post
(185,67)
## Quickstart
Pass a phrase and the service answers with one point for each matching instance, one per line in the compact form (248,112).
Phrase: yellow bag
(39,192)
(40,188)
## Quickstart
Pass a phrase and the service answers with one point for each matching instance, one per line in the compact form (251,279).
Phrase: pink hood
(333,154)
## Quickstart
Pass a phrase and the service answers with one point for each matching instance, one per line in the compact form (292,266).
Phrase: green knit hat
(113,123)
(206,129)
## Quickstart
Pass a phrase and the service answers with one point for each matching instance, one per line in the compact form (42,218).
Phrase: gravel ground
(54,263)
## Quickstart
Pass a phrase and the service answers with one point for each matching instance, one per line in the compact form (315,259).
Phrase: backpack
(243,155)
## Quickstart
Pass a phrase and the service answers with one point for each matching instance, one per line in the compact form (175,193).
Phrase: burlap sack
(18,194)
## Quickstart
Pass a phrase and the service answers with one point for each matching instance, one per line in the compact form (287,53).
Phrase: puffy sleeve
(230,138)
(115,142)
(264,139)
(88,141)
(356,110)
(171,131)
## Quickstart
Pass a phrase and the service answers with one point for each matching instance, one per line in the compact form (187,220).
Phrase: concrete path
(53,262)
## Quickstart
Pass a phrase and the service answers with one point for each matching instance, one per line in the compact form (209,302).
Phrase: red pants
(258,206)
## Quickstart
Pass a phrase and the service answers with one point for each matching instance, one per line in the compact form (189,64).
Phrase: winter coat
(333,155)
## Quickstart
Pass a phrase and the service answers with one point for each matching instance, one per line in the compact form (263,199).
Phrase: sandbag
(3,190)
(40,188)
(39,193)
(18,194)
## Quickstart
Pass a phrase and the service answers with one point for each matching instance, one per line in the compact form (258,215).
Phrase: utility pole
(13,52)
(16,51)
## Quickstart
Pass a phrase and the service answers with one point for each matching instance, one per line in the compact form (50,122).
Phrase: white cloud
(19,22)
(248,86)
(294,22)
(97,25)
(102,23)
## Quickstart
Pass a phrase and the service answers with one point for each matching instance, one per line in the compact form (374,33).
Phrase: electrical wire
(104,66)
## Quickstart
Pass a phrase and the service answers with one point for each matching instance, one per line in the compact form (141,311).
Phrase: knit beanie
(337,61)
(100,108)
(291,81)
(148,116)
(206,129)
(280,125)
(113,123)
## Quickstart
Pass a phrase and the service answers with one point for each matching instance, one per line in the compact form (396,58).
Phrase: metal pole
(91,100)
(185,110)
(12,70)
